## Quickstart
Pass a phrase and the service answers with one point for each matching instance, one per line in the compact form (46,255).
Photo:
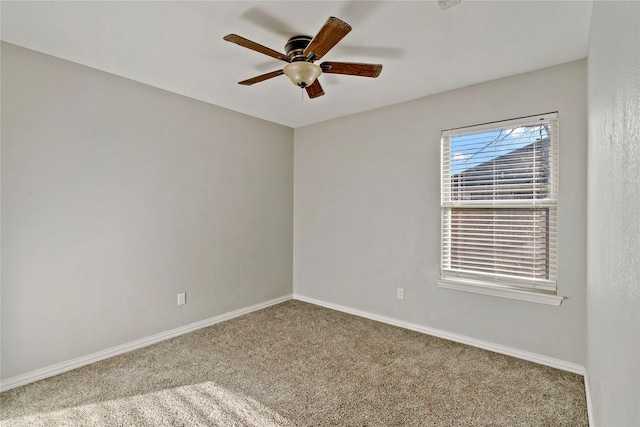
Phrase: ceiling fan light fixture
(302,51)
(302,73)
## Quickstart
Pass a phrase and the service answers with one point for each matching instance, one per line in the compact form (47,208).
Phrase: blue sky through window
(468,151)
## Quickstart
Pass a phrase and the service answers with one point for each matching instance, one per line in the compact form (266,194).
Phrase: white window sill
(504,292)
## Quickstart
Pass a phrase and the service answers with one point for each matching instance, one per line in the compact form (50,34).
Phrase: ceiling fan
(302,51)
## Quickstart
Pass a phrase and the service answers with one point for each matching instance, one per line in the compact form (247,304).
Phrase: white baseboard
(509,351)
(587,391)
(69,365)
(78,362)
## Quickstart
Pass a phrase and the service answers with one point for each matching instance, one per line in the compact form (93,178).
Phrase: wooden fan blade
(315,90)
(239,40)
(329,35)
(261,78)
(351,68)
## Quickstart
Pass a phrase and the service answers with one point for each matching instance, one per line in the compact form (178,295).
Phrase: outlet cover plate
(182,298)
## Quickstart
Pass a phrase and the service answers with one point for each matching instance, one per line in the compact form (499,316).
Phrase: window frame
(528,289)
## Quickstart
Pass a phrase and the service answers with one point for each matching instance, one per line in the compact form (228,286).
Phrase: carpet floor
(297,364)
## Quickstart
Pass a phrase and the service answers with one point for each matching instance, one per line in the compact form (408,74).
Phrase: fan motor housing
(295,47)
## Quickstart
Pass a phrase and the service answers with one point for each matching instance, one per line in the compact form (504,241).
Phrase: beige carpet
(296,364)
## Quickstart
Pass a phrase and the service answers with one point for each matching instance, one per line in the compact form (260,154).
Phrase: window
(499,209)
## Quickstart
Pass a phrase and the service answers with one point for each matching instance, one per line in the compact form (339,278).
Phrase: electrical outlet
(400,293)
(182,298)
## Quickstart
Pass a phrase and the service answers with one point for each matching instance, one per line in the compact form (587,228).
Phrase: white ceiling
(178,46)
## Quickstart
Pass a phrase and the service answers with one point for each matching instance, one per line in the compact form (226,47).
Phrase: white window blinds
(499,203)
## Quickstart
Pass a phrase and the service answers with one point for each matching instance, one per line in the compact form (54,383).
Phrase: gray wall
(367,212)
(613,367)
(116,196)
